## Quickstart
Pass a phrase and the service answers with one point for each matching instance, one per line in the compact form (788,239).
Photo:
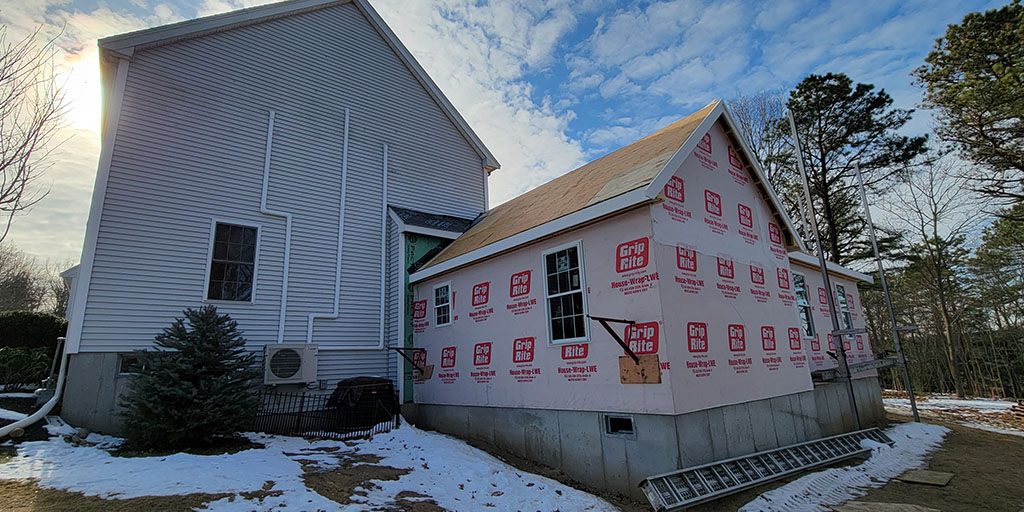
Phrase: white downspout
(383,245)
(341,233)
(287,229)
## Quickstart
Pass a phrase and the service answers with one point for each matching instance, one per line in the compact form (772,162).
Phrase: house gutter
(48,406)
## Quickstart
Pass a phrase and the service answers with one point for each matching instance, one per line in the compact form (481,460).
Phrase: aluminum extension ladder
(685,488)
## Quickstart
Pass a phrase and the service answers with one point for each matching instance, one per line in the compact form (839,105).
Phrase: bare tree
(936,213)
(58,289)
(21,288)
(32,110)
(757,114)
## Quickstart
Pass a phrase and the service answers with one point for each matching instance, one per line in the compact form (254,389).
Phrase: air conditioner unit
(289,363)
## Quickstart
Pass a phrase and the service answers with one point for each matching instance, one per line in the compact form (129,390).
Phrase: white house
(249,160)
(649,311)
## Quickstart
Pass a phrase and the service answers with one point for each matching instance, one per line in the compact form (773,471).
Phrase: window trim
(578,244)
(451,304)
(810,307)
(209,260)
(840,304)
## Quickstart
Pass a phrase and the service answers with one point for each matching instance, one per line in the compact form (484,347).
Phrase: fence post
(302,410)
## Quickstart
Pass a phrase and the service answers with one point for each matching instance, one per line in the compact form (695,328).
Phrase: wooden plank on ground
(923,476)
(867,506)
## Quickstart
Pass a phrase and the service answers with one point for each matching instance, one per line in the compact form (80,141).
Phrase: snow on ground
(11,415)
(984,414)
(455,475)
(835,486)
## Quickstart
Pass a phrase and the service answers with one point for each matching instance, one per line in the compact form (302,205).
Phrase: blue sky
(548,85)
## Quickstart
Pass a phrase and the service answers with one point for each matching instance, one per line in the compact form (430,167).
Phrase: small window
(129,364)
(232,263)
(443,305)
(565,293)
(803,305)
(618,425)
(844,307)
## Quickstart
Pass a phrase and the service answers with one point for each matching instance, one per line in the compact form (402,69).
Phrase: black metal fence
(317,415)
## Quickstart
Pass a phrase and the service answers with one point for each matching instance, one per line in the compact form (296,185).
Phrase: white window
(565,293)
(844,307)
(803,304)
(232,262)
(443,304)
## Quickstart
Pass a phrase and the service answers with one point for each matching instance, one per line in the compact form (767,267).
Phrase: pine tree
(195,389)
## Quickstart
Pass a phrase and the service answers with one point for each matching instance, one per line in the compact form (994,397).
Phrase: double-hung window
(232,263)
(565,294)
(803,304)
(443,305)
(844,307)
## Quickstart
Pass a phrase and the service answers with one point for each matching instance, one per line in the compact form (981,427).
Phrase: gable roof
(626,178)
(124,46)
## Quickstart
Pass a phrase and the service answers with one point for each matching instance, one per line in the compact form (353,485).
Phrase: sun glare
(82,85)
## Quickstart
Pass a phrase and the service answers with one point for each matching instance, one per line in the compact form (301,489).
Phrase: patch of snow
(979,405)
(438,465)
(11,415)
(997,430)
(817,492)
(17,395)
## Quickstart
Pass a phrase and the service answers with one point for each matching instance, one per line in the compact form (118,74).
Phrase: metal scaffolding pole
(888,299)
(844,369)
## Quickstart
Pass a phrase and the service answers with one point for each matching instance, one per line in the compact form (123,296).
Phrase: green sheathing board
(416,246)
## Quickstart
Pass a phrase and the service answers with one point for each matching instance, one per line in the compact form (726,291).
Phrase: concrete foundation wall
(92,391)
(577,442)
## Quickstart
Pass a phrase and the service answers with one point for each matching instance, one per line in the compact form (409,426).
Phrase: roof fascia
(812,262)
(198,26)
(578,218)
(489,162)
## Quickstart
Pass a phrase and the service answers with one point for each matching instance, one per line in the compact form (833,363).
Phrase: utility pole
(837,333)
(888,298)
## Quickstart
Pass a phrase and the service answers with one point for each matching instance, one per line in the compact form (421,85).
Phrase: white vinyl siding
(190,146)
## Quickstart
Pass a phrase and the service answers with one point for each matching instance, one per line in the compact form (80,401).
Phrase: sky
(547,85)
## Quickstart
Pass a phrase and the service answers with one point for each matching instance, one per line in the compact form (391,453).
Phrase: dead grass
(27,496)
(356,474)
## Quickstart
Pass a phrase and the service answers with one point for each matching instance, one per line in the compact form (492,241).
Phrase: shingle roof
(616,173)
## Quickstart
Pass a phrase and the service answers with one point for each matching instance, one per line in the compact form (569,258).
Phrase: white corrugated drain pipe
(48,406)
(287,227)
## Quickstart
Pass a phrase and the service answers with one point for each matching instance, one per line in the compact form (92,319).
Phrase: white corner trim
(383,242)
(99,192)
(812,262)
(400,371)
(577,218)
(287,226)
(396,44)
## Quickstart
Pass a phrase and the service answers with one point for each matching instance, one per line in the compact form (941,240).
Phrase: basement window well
(619,425)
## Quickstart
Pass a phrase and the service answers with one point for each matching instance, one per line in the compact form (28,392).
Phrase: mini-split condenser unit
(289,363)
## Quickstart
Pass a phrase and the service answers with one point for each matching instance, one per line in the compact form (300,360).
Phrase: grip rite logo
(643,338)
(756,274)
(419,356)
(713,203)
(725,268)
(686,258)
(737,338)
(482,354)
(816,343)
(631,255)
(448,357)
(578,351)
(768,338)
(697,336)
(481,293)
(794,338)
(519,284)
(774,233)
(783,275)
(746,215)
(674,189)
(522,350)
(822,297)
(860,342)
(734,159)
(419,310)
(705,143)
